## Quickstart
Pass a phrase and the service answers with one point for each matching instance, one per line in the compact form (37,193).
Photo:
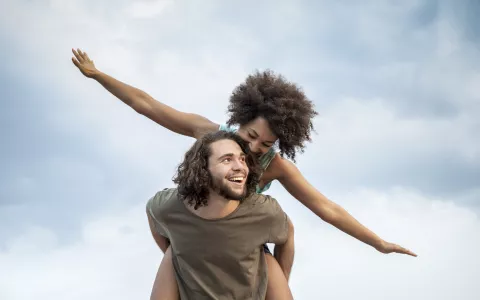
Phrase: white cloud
(147,9)
(115,258)
(378,134)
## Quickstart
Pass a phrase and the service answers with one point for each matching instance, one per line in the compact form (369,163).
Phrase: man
(216,224)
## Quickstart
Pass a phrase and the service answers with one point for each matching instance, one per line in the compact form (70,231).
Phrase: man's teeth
(236,179)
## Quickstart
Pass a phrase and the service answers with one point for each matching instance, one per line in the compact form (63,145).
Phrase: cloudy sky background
(397,87)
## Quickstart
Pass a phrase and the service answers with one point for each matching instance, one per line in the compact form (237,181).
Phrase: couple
(275,118)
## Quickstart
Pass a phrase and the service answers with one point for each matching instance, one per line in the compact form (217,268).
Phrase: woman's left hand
(387,247)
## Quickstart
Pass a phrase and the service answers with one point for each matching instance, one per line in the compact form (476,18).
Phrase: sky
(396,85)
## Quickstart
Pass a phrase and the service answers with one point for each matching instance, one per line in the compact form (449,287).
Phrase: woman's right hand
(84,63)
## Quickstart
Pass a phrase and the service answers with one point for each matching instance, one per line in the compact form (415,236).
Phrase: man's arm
(284,253)
(161,241)
(188,124)
(156,209)
(281,234)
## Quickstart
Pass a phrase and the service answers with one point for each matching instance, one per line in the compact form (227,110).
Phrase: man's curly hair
(193,177)
(283,104)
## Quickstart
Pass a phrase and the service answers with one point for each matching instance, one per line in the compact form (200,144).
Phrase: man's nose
(237,165)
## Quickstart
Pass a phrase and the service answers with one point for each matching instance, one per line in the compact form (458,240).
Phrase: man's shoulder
(260,198)
(167,194)
(261,202)
(162,199)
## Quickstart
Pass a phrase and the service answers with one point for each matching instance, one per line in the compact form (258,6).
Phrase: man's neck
(218,207)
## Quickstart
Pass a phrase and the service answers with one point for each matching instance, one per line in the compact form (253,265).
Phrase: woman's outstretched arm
(294,182)
(188,124)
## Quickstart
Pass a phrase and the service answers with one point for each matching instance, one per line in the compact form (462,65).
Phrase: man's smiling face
(228,169)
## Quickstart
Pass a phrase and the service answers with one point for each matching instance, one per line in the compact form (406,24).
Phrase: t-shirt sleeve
(156,208)
(279,223)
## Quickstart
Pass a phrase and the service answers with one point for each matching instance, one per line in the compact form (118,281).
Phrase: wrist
(96,75)
(379,244)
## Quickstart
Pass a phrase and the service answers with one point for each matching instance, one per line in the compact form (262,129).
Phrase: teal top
(264,160)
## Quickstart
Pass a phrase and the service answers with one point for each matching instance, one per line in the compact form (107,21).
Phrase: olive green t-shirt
(221,258)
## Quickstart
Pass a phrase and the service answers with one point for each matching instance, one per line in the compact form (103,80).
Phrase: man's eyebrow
(230,155)
(225,155)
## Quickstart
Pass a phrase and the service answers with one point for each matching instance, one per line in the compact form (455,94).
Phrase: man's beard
(224,190)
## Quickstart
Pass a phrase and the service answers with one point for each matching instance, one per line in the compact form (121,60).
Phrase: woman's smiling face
(259,136)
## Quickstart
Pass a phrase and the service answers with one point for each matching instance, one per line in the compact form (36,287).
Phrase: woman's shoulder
(279,167)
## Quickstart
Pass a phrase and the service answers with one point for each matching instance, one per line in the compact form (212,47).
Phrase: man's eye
(227,160)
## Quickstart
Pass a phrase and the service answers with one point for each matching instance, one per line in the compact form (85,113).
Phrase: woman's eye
(251,136)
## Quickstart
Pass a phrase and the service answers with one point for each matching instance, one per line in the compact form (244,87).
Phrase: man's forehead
(226,146)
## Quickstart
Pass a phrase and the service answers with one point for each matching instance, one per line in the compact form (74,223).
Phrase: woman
(268,111)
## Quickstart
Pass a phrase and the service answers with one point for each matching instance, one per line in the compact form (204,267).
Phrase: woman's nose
(254,147)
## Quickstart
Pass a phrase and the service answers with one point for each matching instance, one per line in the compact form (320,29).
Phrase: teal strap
(224,127)
(264,189)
